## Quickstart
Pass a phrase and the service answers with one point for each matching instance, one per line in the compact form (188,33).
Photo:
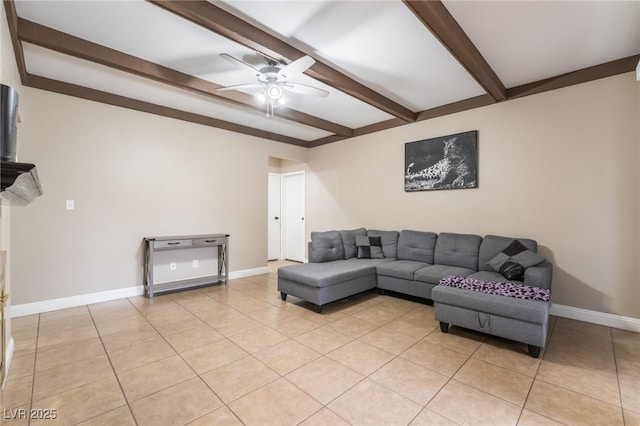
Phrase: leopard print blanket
(500,288)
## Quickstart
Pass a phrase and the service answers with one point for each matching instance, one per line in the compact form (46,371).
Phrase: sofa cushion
(369,247)
(326,247)
(494,244)
(432,274)
(402,269)
(389,241)
(417,246)
(459,250)
(327,274)
(349,241)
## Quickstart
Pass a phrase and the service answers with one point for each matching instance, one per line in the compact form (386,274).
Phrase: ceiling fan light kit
(273,80)
(272,97)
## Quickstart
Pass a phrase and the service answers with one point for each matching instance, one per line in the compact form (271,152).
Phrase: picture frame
(445,162)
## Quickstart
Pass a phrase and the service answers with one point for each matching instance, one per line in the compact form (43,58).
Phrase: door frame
(281,231)
(285,219)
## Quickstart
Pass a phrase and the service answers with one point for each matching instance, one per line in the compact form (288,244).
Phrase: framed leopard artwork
(447,162)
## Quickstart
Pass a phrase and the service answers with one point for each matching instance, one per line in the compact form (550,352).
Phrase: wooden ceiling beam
(215,19)
(12,21)
(58,41)
(454,107)
(608,69)
(87,93)
(435,16)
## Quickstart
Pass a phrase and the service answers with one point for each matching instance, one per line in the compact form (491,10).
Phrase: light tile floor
(239,355)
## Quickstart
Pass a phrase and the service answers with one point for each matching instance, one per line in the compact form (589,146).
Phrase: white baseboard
(595,317)
(103,296)
(73,301)
(233,275)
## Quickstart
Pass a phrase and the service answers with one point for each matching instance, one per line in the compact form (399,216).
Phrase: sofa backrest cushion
(389,241)
(417,245)
(326,247)
(457,250)
(494,244)
(349,241)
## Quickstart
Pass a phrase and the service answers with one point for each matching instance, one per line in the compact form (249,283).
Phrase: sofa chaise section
(329,276)
(521,320)
(322,283)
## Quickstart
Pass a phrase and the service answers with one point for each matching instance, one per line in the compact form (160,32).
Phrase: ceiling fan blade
(303,89)
(296,67)
(240,87)
(240,63)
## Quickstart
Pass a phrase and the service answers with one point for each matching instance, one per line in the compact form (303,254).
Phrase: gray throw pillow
(389,241)
(515,252)
(497,261)
(528,258)
(369,247)
(349,241)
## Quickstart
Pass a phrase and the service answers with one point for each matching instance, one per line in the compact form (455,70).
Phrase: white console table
(219,242)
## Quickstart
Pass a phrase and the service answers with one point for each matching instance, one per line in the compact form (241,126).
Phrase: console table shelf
(153,244)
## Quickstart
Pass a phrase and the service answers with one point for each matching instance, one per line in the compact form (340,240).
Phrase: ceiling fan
(273,80)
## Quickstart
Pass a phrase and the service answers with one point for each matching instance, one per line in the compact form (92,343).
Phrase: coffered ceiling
(385,63)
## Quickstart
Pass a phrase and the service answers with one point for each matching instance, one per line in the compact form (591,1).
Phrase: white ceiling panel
(135,27)
(379,43)
(382,65)
(527,41)
(68,69)
(148,32)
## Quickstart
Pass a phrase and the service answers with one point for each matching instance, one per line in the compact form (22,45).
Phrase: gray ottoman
(322,283)
(522,320)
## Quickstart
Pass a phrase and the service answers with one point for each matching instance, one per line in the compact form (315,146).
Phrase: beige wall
(131,175)
(9,76)
(560,167)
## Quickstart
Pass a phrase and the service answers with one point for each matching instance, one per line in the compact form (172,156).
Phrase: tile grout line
(181,357)
(615,361)
(542,353)
(35,360)
(124,395)
(322,355)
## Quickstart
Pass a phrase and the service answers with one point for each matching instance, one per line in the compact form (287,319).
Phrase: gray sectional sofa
(344,263)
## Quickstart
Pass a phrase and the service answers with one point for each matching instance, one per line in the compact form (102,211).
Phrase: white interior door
(293,202)
(274,232)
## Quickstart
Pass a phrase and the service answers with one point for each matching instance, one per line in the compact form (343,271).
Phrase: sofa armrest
(539,275)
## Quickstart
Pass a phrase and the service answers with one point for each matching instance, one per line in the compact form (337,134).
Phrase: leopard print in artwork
(453,171)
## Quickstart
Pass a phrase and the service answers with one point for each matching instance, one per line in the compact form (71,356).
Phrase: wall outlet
(173,266)
(195,263)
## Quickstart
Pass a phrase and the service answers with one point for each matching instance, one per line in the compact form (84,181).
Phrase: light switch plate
(71,205)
